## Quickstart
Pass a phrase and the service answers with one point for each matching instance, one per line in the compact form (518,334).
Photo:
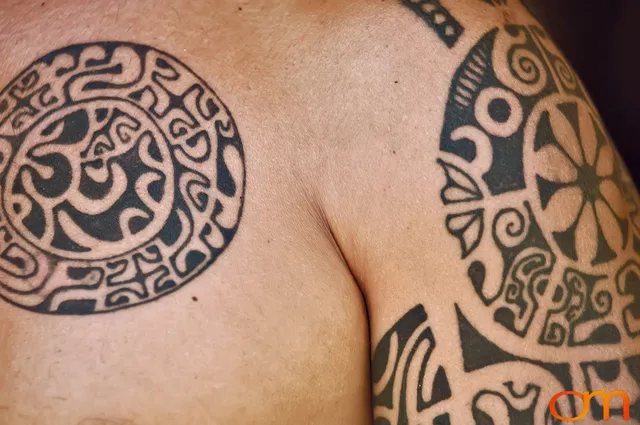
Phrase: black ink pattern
(582,310)
(479,353)
(613,374)
(437,17)
(122,179)
(498,387)
(468,228)
(403,352)
(628,285)
(485,402)
(520,132)
(547,222)
(518,389)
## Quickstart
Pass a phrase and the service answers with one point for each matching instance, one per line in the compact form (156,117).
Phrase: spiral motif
(602,302)
(518,65)
(525,65)
(512,293)
(510,227)
(567,77)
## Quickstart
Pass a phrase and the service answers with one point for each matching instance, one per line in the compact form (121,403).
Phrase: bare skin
(341,108)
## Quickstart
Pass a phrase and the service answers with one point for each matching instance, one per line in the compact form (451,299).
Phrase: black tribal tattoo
(411,386)
(532,179)
(547,222)
(437,17)
(122,179)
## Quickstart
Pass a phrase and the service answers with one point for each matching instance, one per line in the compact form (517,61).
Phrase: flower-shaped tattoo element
(578,178)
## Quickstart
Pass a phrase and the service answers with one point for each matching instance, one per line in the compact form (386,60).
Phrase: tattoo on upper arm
(547,221)
(121,176)
(439,18)
(534,184)
(411,386)
(404,351)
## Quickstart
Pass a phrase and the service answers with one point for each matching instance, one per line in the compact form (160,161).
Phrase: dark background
(601,39)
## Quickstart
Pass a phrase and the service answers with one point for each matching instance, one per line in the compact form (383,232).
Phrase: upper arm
(499,245)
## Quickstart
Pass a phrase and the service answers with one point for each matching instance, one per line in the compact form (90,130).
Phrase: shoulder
(449,108)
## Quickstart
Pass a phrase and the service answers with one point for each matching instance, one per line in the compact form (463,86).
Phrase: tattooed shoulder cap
(547,223)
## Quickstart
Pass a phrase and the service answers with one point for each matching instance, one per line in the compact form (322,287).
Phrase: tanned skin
(319,212)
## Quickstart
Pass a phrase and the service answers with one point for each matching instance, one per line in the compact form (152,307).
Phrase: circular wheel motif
(545,214)
(582,207)
(122,179)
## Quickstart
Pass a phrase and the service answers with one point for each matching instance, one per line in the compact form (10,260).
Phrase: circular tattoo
(548,224)
(579,192)
(543,208)
(121,176)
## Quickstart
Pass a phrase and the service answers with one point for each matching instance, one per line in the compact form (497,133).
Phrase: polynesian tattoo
(411,386)
(543,208)
(437,17)
(547,221)
(121,176)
